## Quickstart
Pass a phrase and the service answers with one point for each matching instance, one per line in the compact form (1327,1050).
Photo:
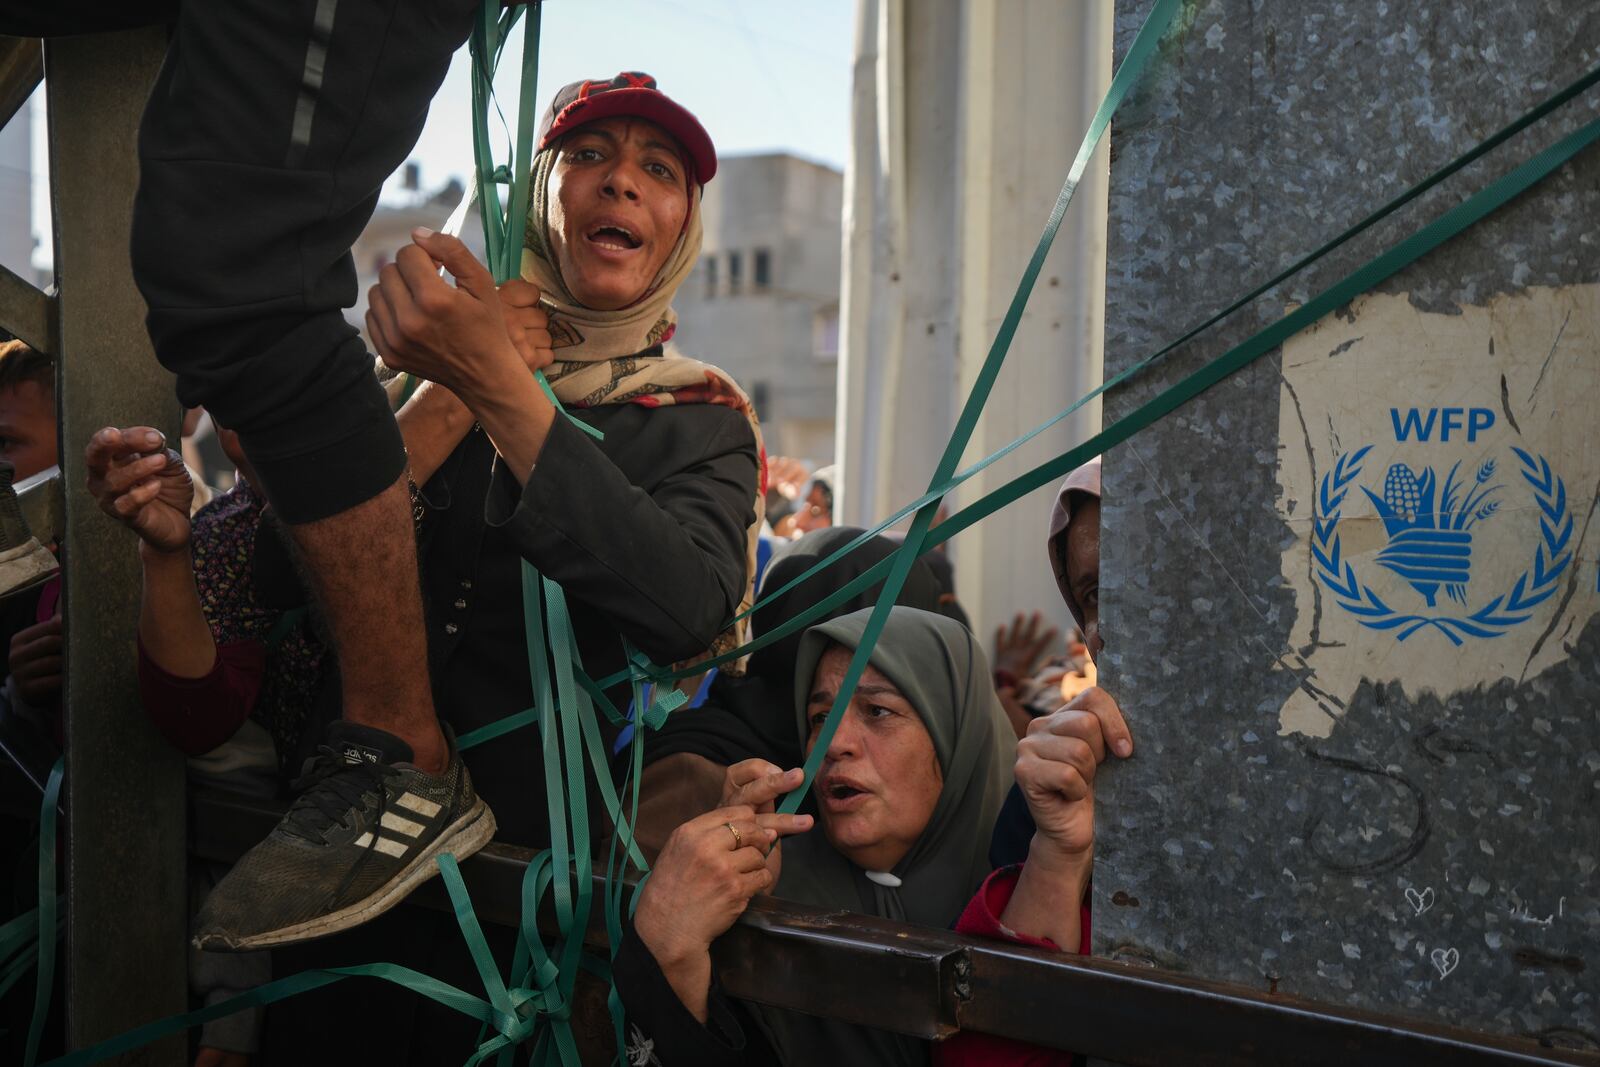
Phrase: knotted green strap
(536,1004)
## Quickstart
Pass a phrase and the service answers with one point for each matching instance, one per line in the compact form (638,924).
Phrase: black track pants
(266,139)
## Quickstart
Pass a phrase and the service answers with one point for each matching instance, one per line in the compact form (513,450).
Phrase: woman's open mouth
(840,795)
(613,237)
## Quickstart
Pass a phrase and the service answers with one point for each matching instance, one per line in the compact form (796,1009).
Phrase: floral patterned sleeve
(267,661)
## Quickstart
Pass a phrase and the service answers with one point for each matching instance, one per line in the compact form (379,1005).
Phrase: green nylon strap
(1372,273)
(1351,286)
(1127,75)
(503,227)
(271,993)
(511,251)
(560,714)
(47,910)
(502,1009)
(939,492)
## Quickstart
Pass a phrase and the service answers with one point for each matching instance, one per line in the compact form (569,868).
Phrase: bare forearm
(1049,895)
(432,422)
(172,625)
(516,415)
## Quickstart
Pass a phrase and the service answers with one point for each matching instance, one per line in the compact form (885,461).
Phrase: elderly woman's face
(619,194)
(880,780)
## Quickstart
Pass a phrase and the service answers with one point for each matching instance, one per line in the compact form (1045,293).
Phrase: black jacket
(646,533)
(660,1029)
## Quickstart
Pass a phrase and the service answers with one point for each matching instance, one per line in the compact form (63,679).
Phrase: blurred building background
(16,194)
(763,302)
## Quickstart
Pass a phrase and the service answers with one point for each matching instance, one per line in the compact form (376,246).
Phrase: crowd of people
(321,630)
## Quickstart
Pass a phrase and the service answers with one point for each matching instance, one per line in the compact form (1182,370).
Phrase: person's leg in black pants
(267,137)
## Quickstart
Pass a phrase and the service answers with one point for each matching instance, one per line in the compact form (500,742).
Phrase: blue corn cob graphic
(1423,550)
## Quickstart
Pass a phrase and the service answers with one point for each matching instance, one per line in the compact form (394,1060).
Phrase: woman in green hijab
(907,795)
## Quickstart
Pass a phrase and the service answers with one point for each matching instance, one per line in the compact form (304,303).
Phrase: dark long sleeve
(659,1023)
(648,527)
(197,714)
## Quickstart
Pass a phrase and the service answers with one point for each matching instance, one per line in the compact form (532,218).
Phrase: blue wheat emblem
(1430,532)
(1432,547)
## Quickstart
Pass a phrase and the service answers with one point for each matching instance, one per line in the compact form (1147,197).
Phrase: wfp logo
(1431,525)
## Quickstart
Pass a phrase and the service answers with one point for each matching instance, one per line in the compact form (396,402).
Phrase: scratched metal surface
(1435,856)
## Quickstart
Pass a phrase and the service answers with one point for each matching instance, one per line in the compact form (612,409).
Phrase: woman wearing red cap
(648,525)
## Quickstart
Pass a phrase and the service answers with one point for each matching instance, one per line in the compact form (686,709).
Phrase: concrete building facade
(763,302)
(966,120)
(16,193)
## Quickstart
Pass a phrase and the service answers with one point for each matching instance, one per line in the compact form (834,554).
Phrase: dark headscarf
(753,715)
(939,667)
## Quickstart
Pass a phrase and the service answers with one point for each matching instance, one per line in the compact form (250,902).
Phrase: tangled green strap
(541,989)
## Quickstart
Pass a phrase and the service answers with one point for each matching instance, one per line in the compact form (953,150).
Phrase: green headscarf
(937,665)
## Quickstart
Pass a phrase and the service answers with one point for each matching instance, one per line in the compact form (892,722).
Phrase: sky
(761,75)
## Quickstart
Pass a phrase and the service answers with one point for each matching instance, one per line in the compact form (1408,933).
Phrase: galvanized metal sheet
(1349,595)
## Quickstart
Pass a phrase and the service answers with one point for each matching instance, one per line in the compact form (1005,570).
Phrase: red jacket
(982,919)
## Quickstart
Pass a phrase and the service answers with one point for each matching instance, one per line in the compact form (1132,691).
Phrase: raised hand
(456,335)
(1018,647)
(701,883)
(527,323)
(759,784)
(1056,764)
(142,484)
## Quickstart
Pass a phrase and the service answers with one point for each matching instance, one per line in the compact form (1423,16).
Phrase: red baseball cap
(635,95)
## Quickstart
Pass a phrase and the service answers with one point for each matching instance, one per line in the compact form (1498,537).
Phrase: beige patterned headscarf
(599,360)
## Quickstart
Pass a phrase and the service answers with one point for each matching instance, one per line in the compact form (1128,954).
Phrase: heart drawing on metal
(1420,901)
(1445,959)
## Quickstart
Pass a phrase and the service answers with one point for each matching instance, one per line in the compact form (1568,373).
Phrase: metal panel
(127,922)
(1394,815)
(26,312)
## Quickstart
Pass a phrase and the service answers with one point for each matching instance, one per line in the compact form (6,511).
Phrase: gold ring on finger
(738,838)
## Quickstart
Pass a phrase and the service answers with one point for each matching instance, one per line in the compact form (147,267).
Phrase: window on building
(761,268)
(825,332)
(711,275)
(735,271)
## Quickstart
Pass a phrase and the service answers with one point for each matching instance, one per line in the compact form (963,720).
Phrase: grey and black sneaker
(24,562)
(366,829)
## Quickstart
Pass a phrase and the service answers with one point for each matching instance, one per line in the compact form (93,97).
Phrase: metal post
(126,955)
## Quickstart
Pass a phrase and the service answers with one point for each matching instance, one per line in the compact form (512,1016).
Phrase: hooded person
(639,497)
(750,716)
(908,792)
(1043,845)
(1079,493)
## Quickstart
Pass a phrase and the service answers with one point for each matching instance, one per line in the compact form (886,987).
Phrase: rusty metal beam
(21,71)
(127,921)
(26,312)
(931,983)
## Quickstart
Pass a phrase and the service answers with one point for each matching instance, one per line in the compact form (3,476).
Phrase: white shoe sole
(462,838)
(24,566)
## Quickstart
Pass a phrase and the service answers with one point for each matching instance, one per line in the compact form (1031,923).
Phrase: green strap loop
(506,1004)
